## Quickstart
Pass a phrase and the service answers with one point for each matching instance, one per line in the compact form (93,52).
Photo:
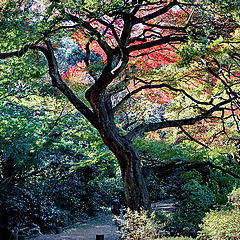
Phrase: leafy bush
(138,226)
(74,192)
(223,224)
(63,199)
(219,225)
(142,226)
(234,198)
(111,188)
(199,199)
(20,207)
(182,172)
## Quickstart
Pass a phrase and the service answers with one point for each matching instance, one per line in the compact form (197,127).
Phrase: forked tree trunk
(101,117)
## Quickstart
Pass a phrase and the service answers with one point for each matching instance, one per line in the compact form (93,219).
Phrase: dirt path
(102,225)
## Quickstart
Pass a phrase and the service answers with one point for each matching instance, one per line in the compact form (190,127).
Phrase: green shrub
(219,225)
(234,198)
(111,188)
(223,224)
(198,200)
(138,226)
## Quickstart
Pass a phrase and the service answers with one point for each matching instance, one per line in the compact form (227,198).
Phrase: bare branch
(223,170)
(161,11)
(168,27)
(106,48)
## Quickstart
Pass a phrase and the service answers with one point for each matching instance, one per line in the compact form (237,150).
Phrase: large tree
(126,64)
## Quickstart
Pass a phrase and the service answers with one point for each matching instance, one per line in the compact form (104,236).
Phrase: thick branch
(163,40)
(212,165)
(223,170)
(140,129)
(199,165)
(59,83)
(19,53)
(25,48)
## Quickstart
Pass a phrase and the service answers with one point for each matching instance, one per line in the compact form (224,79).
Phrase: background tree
(126,48)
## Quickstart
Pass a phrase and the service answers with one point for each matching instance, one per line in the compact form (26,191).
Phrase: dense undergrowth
(187,175)
(55,170)
(71,183)
(218,224)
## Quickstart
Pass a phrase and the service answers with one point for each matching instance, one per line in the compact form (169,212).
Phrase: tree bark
(102,118)
(135,188)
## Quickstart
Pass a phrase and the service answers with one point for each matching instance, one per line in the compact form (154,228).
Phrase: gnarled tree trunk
(136,192)
(135,188)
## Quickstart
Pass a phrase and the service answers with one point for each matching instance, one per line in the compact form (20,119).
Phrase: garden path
(101,225)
